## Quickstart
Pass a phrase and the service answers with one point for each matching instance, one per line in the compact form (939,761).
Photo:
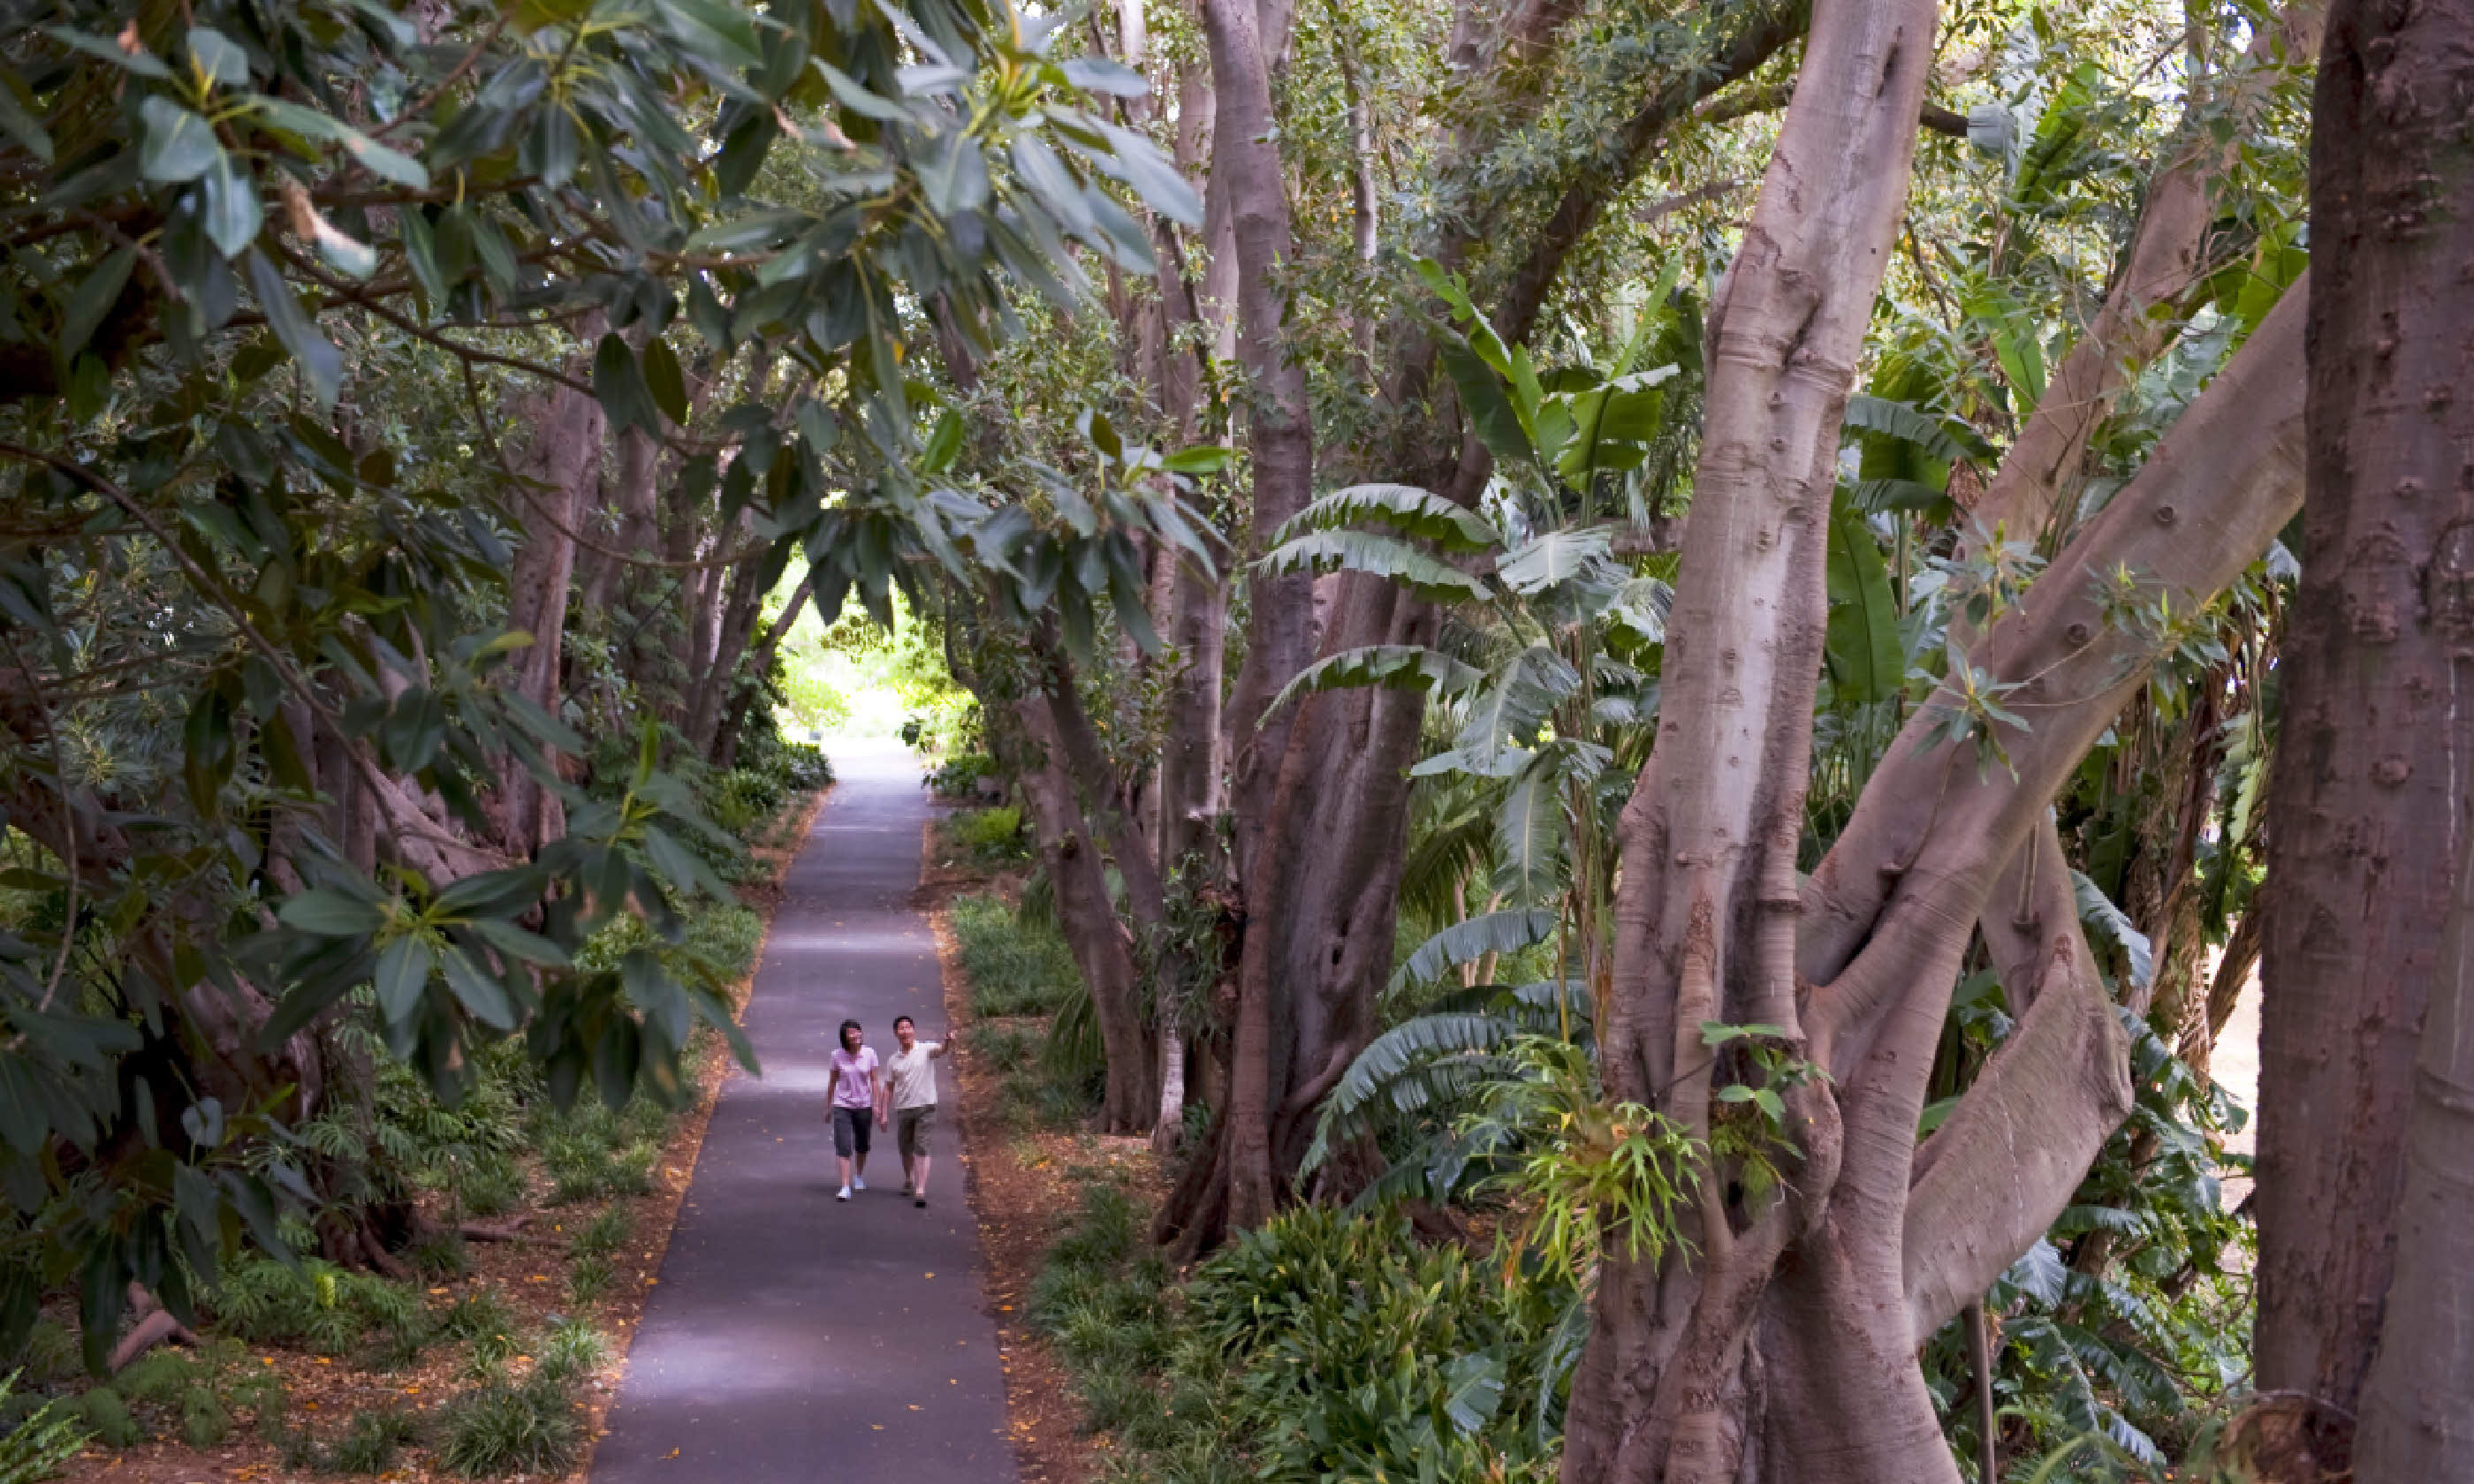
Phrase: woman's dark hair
(844,1035)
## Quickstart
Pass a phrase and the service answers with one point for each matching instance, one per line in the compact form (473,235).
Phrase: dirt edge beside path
(1020,1196)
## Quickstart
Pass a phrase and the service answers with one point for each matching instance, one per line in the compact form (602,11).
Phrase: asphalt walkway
(794,1337)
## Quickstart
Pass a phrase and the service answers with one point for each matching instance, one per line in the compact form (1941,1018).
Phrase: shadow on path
(794,1337)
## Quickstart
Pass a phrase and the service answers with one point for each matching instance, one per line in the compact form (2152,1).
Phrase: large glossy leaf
(1529,832)
(2103,915)
(1556,558)
(1506,713)
(1862,647)
(178,144)
(1403,508)
(1395,666)
(1472,939)
(1363,551)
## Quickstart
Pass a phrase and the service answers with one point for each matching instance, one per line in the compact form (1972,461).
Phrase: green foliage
(314,1307)
(990,837)
(373,1442)
(105,1411)
(1014,968)
(509,1428)
(959,776)
(571,1352)
(1323,1345)
(36,1445)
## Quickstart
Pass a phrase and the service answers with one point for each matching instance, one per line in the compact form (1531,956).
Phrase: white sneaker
(859,1183)
(844,1195)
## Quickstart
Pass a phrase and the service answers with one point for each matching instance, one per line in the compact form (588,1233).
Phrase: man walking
(854,1094)
(913,1081)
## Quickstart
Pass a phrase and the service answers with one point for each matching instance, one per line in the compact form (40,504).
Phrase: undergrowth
(1324,1346)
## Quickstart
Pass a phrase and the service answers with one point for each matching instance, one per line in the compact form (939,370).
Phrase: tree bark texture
(2368,795)
(1705,909)
(1100,945)
(1784,1348)
(2418,1412)
(560,462)
(1245,163)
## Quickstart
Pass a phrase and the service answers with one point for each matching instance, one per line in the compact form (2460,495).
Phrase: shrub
(107,1413)
(509,1428)
(1324,1346)
(959,776)
(441,1254)
(1014,969)
(316,1307)
(491,1187)
(990,836)
(205,1421)
(588,1278)
(478,1316)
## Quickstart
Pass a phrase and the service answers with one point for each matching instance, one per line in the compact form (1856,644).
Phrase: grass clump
(571,1350)
(1015,968)
(373,1441)
(509,1428)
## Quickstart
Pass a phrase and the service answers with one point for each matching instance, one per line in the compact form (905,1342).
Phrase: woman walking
(854,1095)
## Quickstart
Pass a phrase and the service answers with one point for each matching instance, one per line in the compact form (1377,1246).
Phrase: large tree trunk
(2367,797)
(1707,908)
(1780,1344)
(2417,1413)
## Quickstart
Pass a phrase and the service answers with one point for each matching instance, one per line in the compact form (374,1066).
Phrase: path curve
(794,1337)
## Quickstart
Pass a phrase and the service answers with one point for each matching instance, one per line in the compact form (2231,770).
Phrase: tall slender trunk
(760,665)
(1247,164)
(2368,802)
(560,463)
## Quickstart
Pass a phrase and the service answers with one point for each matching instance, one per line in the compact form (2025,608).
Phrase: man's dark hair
(898,1021)
(842,1036)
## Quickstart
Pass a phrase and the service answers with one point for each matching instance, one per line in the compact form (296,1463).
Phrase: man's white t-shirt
(914,1075)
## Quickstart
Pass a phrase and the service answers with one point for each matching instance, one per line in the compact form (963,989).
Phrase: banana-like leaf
(1862,641)
(1529,838)
(1472,939)
(2099,912)
(1395,666)
(1403,508)
(1557,558)
(1510,708)
(1945,439)
(1638,613)
(1384,556)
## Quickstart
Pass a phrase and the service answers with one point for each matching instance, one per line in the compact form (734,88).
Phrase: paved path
(792,1337)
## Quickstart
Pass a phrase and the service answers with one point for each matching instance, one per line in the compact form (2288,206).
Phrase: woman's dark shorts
(850,1127)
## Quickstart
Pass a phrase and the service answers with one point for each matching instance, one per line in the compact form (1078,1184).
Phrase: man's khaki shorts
(912,1127)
